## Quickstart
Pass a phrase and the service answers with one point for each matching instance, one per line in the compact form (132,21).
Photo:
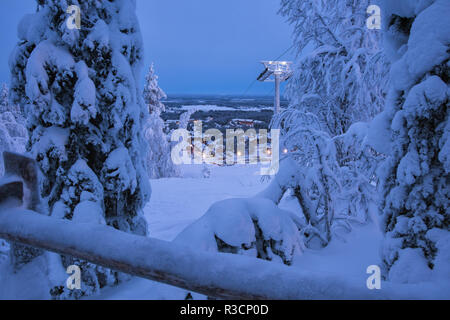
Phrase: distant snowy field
(219,111)
(175,204)
(219,108)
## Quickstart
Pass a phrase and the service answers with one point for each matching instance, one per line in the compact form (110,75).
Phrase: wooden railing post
(21,173)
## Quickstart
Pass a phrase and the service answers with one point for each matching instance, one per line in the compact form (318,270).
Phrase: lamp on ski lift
(276,71)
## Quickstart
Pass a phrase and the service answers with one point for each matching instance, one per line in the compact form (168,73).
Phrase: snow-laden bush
(317,182)
(159,161)
(153,94)
(85,116)
(4,250)
(13,137)
(414,133)
(332,194)
(254,227)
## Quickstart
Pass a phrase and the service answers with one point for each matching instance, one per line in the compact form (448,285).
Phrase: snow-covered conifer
(153,94)
(159,161)
(315,179)
(338,82)
(357,172)
(85,115)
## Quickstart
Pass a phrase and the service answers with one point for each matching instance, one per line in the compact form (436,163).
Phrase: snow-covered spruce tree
(358,165)
(340,73)
(159,161)
(85,117)
(314,181)
(414,133)
(153,94)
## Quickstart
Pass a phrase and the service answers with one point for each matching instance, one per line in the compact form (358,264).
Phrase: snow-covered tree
(153,94)
(314,179)
(159,161)
(85,116)
(414,133)
(254,227)
(339,74)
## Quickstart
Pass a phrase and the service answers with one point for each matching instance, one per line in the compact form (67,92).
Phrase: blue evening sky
(198,46)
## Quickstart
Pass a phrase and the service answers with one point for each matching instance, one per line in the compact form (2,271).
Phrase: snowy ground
(177,202)
(169,212)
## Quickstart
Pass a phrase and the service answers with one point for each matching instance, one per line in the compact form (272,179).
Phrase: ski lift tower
(276,71)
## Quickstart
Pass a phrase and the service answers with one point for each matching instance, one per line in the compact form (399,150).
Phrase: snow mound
(254,227)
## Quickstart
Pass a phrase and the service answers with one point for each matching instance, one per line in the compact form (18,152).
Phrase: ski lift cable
(280,56)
